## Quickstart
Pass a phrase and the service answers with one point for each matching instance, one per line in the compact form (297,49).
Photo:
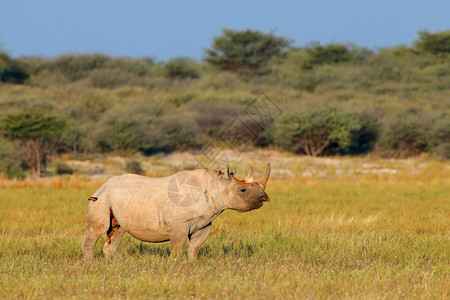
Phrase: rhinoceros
(170,208)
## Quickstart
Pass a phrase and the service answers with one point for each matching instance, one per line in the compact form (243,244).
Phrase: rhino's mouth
(260,202)
(257,205)
(264,199)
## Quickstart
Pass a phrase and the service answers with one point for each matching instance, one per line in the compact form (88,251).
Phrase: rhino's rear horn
(265,178)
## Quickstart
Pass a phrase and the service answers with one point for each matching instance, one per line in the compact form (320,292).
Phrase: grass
(333,237)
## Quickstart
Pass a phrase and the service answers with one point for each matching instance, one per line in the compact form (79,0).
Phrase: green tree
(36,131)
(437,43)
(316,133)
(11,70)
(246,53)
(332,54)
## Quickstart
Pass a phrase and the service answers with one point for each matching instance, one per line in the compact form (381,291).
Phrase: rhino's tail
(98,193)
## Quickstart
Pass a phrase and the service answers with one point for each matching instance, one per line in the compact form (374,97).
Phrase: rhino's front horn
(249,177)
(266,175)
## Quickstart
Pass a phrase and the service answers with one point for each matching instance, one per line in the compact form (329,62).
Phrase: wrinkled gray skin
(142,207)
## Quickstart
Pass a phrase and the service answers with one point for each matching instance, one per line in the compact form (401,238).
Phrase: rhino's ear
(249,177)
(230,173)
(227,173)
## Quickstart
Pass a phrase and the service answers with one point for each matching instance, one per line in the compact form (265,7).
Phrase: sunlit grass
(364,237)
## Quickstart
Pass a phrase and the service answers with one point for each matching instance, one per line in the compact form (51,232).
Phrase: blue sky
(167,29)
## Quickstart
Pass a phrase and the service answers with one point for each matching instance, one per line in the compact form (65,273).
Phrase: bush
(10,163)
(138,67)
(146,129)
(332,54)
(74,138)
(4,60)
(365,138)
(311,79)
(120,133)
(12,71)
(441,134)
(407,135)
(112,78)
(75,67)
(212,117)
(395,64)
(134,166)
(181,68)
(179,100)
(171,132)
(324,131)
(62,169)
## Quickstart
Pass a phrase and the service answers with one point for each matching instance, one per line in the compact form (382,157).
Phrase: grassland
(346,236)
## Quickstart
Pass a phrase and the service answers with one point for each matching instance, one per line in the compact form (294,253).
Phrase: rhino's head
(244,195)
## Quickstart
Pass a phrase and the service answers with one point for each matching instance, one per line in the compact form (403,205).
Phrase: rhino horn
(265,178)
(249,177)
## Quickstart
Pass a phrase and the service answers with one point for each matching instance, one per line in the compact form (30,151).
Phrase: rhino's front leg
(177,239)
(196,240)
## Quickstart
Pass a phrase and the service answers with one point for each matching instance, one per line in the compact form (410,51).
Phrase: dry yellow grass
(361,235)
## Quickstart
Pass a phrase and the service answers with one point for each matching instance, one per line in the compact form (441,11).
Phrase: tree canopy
(11,71)
(34,130)
(322,131)
(434,43)
(247,52)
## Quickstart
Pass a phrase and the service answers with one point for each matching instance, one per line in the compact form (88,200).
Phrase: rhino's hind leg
(90,240)
(115,234)
(97,223)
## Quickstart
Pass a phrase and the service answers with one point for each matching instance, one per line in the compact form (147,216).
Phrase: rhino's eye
(243,190)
